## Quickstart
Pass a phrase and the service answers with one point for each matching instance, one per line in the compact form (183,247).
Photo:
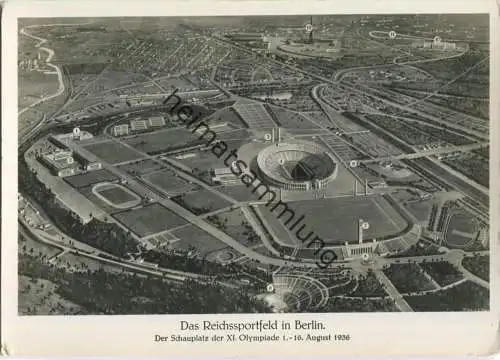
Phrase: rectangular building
(156,121)
(138,125)
(87,161)
(120,130)
(60,163)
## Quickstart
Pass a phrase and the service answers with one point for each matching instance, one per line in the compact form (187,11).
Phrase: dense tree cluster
(101,292)
(478,265)
(369,286)
(443,272)
(464,297)
(339,304)
(408,278)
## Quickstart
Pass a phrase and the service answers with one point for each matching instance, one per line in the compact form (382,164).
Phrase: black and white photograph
(322,163)
(218,178)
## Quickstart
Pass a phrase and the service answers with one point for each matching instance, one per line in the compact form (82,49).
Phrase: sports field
(461,230)
(89,178)
(112,152)
(167,182)
(204,200)
(336,220)
(165,140)
(116,195)
(149,219)
(141,167)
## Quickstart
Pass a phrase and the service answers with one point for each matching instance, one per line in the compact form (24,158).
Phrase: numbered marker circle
(76,131)
(268,137)
(365,226)
(365,256)
(353,163)
(437,39)
(309,27)
(281,161)
(392,34)
(270,288)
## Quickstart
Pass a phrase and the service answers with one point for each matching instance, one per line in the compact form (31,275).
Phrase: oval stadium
(297,166)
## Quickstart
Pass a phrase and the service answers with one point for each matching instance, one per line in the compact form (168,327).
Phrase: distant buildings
(225,176)
(138,125)
(120,130)
(156,121)
(435,45)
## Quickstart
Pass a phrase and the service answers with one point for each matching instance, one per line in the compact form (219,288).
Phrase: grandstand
(255,116)
(120,130)
(156,121)
(138,125)
(297,166)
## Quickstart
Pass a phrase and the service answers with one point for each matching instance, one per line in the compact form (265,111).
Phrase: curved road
(58,71)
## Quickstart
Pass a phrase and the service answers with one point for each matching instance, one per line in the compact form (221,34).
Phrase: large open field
(461,230)
(149,219)
(89,178)
(141,167)
(164,140)
(116,195)
(336,220)
(168,182)
(235,224)
(112,152)
(193,236)
(202,201)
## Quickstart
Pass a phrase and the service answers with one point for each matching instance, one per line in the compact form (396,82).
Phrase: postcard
(241,178)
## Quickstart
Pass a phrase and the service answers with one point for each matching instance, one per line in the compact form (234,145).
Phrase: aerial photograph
(261,164)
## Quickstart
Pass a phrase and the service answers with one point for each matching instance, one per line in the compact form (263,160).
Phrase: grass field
(193,236)
(202,160)
(344,212)
(461,230)
(168,182)
(237,192)
(149,219)
(112,152)
(117,194)
(235,224)
(87,192)
(204,201)
(420,209)
(89,178)
(165,140)
(141,167)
